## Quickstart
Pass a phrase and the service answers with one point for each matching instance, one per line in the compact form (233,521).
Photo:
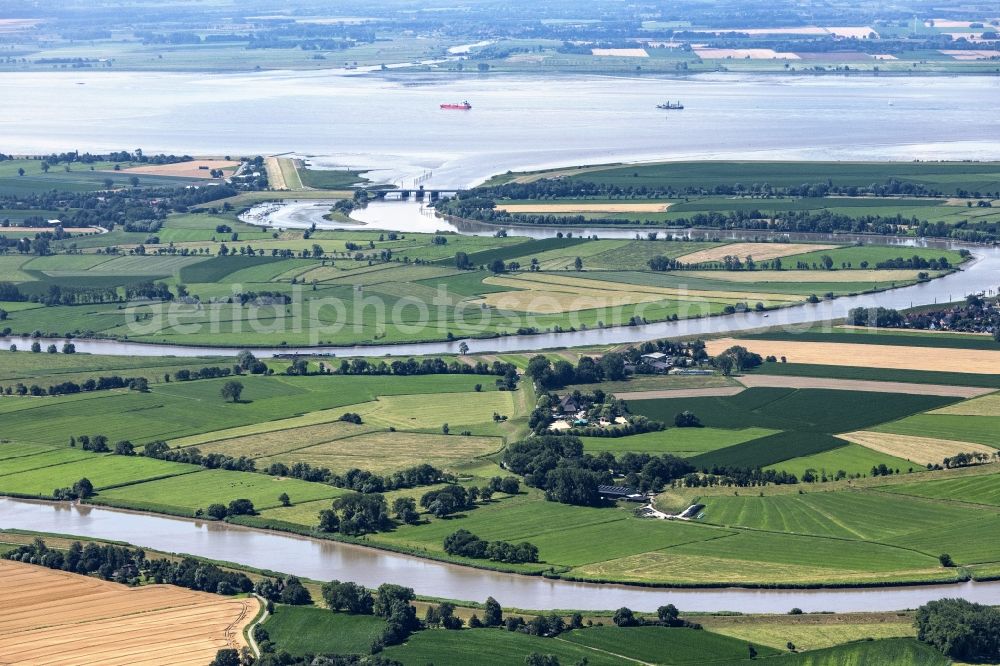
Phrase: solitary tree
(578,264)
(231,391)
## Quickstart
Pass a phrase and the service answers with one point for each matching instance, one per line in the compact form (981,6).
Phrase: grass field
(664,645)
(384,452)
(886,652)
(182,409)
(979,429)
(301,630)
(806,418)
(191,492)
(860,515)
(878,374)
(678,441)
(851,458)
(104,471)
(811,631)
(975,490)
(492,647)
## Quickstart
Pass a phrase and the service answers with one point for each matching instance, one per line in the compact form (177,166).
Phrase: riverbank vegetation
(764,466)
(309,620)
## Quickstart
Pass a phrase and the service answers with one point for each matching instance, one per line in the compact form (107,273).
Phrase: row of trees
(363,481)
(131,566)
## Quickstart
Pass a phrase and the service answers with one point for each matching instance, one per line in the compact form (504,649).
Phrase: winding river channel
(518,123)
(321,559)
(326,560)
(982,274)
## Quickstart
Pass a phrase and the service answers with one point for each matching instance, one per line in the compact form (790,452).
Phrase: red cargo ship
(464,106)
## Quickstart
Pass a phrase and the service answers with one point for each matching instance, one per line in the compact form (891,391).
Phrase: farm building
(620,493)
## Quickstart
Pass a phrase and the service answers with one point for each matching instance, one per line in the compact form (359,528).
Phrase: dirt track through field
(779,381)
(67,619)
(897,357)
(681,393)
(922,450)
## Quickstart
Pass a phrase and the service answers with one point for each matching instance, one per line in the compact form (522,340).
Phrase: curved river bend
(326,560)
(980,275)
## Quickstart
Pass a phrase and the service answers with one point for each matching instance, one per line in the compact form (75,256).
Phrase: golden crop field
(987,405)
(975,361)
(65,619)
(759,251)
(921,450)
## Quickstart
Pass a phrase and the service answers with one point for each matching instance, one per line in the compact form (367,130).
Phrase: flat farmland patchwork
(68,620)
(846,514)
(493,648)
(921,450)
(413,412)
(846,353)
(104,471)
(987,405)
(663,645)
(872,278)
(389,451)
(182,409)
(196,491)
(975,490)
(969,541)
(759,251)
(44,458)
(852,459)
(678,441)
(979,429)
(954,379)
(276,442)
(768,559)
(811,632)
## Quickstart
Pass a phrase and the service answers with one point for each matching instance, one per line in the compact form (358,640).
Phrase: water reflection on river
(326,560)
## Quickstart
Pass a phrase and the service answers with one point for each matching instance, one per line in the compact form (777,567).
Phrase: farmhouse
(620,493)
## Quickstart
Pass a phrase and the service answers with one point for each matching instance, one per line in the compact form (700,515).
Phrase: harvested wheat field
(987,405)
(192,169)
(64,618)
(922,450)
(759,251)
(975,361)
(859,276)
(585,207)
(780,381)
